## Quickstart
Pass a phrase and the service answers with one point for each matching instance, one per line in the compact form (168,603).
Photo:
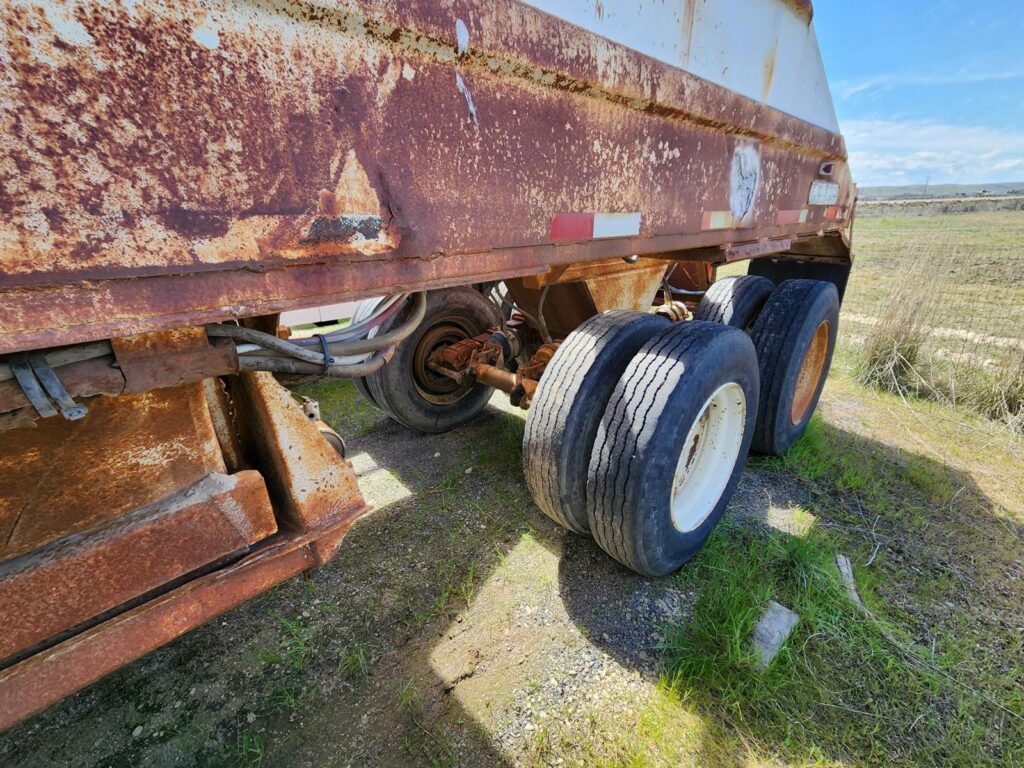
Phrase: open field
(935,308)
(951,288)
(458,626)
(981,256)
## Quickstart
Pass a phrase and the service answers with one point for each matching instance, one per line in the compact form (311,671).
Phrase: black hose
(265,340)
(290,365)
(282,349)
(540,314)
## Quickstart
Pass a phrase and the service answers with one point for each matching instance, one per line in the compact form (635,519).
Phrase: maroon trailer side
(173,175)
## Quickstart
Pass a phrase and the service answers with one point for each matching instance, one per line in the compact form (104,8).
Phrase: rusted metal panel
(583,290)
(75,578)
(59,478)
(80,556)
(224,424)
(31,685)
(184,355)
(311,485)
(633,289)
(163,164)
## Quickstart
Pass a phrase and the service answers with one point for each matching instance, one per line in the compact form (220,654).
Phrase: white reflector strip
(616,225)
(718,220)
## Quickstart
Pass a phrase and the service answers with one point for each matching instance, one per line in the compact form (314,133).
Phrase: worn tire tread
(555,459)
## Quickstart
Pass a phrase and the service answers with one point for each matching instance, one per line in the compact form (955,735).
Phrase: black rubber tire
(363,389)
(565,411)
(361,384)
(782,336)
(394,387)
(735,301)
(644,427)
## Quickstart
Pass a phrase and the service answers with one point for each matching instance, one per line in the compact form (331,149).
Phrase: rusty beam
(71,580)
(310,484)
(139,364)
(45,678)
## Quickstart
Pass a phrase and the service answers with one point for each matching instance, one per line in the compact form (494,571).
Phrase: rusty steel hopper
(165,165)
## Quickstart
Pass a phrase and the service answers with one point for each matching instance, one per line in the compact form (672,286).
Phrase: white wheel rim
(708,457)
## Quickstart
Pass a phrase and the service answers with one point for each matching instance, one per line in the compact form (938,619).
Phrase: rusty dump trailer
(530,196)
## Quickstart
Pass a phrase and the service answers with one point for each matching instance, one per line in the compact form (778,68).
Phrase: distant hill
(923,192)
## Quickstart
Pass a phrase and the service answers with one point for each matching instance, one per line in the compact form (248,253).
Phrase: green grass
(249,751)
(916,686)
(353,662)
(296,648)
(837,691)
(343,407)
(408,696)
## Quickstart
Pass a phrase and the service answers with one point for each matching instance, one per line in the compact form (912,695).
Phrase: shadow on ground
(458,626)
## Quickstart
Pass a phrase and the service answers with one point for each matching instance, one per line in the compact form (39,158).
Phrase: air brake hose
(283,350)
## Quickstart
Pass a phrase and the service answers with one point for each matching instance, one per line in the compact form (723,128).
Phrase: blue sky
(927,88)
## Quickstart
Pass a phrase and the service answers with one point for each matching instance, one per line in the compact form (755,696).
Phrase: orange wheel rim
(812,370)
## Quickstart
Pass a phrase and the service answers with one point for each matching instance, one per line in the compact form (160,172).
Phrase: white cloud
(847,89)
(884,152)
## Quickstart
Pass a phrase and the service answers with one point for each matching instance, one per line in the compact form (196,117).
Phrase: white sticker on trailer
(823,193)
(616,225)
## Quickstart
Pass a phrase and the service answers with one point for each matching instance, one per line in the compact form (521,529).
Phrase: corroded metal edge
(36,683)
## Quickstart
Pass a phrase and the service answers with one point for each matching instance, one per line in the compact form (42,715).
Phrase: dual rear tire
(640,434)
(640,429)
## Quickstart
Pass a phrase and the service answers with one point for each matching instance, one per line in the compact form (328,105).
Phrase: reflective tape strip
(791,217)
(616,224)
(718,220)
(594,226)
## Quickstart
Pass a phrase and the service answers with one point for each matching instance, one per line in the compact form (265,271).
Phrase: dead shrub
(931,342)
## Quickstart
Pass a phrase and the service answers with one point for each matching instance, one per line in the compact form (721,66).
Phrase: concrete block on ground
(771,631)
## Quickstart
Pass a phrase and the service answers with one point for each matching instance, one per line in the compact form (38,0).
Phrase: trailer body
(167,165)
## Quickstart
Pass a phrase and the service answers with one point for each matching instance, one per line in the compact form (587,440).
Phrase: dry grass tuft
(932,340)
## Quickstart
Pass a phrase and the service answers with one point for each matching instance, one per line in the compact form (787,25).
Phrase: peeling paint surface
(464,90)
(164,163)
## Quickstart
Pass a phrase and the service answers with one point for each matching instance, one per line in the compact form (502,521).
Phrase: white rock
(771,631)
(137,732)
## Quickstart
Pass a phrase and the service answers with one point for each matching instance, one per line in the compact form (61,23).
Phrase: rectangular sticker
(616,225)
(823,193)
(572,226)
(717,220)
(782,218)
(594,226)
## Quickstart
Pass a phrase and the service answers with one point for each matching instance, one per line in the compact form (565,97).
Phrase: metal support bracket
(41,386)
(30,386)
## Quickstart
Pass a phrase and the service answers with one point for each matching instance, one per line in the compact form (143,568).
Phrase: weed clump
(924,343)
(894,350)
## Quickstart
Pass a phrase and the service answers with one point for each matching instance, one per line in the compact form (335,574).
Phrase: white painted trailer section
(763,49)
